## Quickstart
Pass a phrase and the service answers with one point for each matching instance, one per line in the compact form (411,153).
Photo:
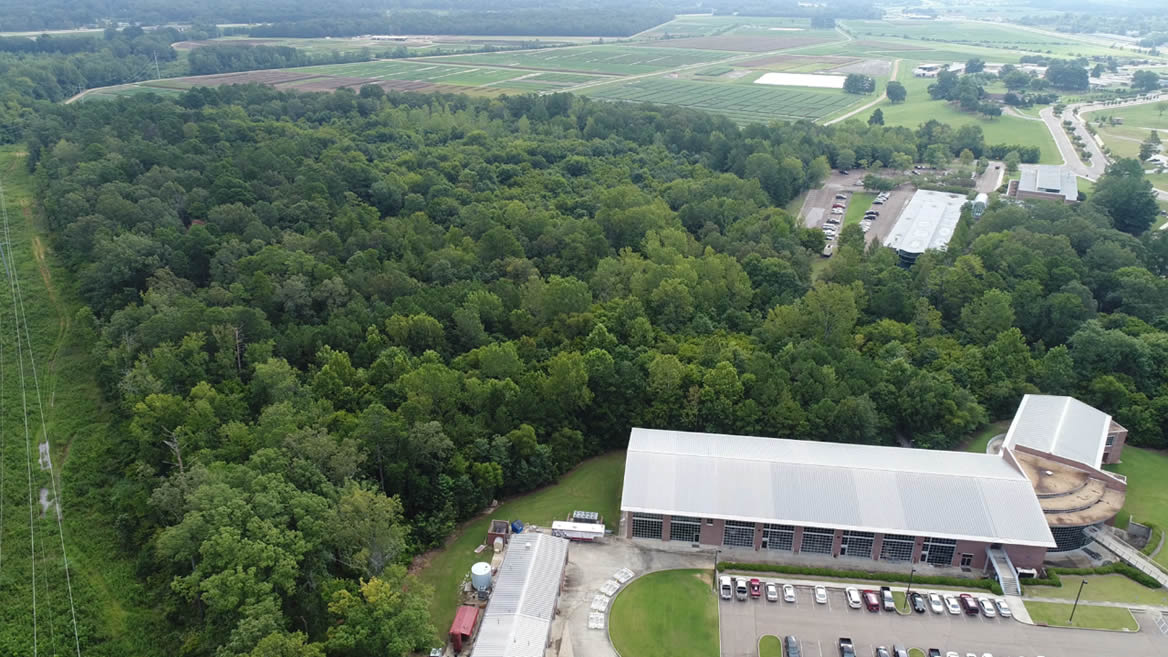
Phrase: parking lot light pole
(1072,618)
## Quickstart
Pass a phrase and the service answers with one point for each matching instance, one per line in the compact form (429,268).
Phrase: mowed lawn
(594,485)
(857,206)
(1102,588)
(1147,489)
(625,60)
(1102,618)
(918,108)
(744,103)
(672,613)
(770,646)
(980,439)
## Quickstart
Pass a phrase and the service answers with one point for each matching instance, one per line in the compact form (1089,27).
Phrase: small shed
(463,626)
(499,529)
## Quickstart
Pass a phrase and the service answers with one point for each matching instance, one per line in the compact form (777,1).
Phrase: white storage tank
(480,576)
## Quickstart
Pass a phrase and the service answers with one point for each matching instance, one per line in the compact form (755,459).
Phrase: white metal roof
(927,222)
(523,603)
(959,495)
(1063,426)
(1051,179)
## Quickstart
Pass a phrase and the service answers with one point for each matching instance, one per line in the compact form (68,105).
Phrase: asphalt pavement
(819,627)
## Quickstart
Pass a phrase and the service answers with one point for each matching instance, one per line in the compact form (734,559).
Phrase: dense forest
(334,325)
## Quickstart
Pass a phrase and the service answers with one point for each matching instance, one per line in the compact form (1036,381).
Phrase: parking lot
(819,627)
(817,205)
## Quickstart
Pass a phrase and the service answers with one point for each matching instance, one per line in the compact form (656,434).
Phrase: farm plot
(739,43)
(798,63)
(471,76)
(743,103)
(697,26)
(620,60)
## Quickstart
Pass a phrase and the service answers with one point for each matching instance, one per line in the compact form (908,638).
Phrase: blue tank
(517,526)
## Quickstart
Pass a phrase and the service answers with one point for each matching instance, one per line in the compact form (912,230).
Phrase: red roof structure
(463,626)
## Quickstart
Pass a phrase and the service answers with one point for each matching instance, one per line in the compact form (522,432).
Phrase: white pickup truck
(725,588)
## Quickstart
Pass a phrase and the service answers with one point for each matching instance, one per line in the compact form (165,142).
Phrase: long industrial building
(519,616)
(926,223)
(882,503)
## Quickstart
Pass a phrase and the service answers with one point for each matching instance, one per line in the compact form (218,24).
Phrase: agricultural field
(708,25)
(743,103)
(619,60)
(996,35)
(417,46)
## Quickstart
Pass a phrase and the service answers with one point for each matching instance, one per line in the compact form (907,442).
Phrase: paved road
(1070,156)
(820,626)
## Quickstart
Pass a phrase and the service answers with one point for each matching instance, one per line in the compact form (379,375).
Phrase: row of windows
(816,540)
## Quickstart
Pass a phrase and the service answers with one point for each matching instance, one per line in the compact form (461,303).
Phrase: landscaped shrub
(988,584)
(1111,569)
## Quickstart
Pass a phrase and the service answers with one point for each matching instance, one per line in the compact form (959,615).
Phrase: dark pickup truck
(846,647)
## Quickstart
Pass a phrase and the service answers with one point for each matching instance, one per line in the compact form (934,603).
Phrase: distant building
(1046,182)
(927,70)
(927,222)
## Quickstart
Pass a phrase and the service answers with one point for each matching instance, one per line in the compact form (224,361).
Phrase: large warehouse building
(519,616)
(881,503)
(926,222)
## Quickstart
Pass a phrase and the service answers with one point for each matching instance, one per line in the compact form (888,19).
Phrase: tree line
(331,326)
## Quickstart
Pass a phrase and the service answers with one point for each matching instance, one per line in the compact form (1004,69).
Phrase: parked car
(936,604)
(871,601)
(969,604)
(838,205)
(951,654)
(887,599)
(788,593)
(1003,608)
(793,648)
(853,595)
(881,651)
(844,171)
(918,602)
(772,592)
(841,197)
(821,595)
(740,589)
(899,651)
(726,587)
(874,213)
(952,605)
(934,652)
(877,202)
(755,587)
(828,250)
(846,648)
(987,607)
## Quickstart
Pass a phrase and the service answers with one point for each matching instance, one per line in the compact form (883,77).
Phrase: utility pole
(911,570)
(1072,618)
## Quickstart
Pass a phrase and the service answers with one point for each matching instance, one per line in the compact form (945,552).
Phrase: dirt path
(883,95)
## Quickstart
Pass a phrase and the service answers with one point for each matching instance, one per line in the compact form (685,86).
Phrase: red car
(755,588)
(969,604)
(871,600)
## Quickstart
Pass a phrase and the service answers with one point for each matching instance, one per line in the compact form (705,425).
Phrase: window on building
(1110,440)
(647,525)
(966,559)
(738,534)
(938,551)
(778,537)
(685,528)
(817,540)
(709,522)
(897,547)
(857,544)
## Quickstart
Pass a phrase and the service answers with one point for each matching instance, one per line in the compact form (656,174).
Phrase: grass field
(470,76)
(741,102)
(966,33)
(919,108)
(1147,490)
(1100,618)
(594,485)
(857,206)
(697,26)
(916,652)
(672,613)
(622,60)
(770,646)
(1103,588)
(113,611)
(979,439)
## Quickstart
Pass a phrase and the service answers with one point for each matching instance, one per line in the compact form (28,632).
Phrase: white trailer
(577,531)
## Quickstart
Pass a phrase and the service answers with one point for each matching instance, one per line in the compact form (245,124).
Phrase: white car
(821,595)
(936,604)
(788,593)
(951,654)
(854,598)
(952,605)
(987,607)
(772,592)
(1003,608)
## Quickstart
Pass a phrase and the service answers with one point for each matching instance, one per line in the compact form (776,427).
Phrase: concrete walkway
(1129,555)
